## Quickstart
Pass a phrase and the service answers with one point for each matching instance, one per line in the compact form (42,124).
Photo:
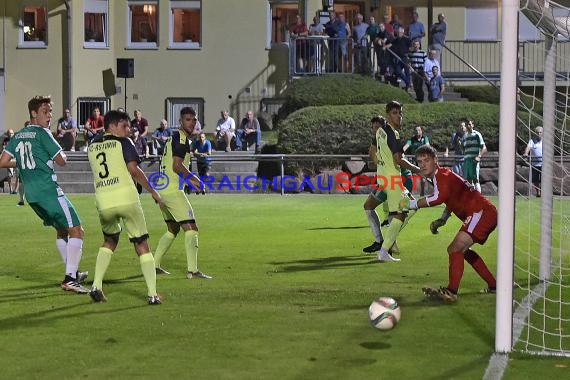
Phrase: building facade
(212,54)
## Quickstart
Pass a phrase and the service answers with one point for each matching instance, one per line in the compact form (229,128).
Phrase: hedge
(346,129)
(337,90)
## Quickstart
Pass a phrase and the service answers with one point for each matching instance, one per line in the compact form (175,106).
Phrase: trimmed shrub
(337,90)
(346,129)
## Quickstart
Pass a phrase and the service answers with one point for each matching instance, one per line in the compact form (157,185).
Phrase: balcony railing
(321,55)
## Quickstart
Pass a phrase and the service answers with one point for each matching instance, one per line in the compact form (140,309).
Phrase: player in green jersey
(474,148)
(33,150)
(178,212)
(115,163)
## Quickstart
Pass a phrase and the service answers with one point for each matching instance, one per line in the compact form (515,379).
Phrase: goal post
(533,260)
(507,156)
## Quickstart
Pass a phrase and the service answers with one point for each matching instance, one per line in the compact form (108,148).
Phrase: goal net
(541,273)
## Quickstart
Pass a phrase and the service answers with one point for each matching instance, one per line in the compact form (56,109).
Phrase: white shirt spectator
(428,66)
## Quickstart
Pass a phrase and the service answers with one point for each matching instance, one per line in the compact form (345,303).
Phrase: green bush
(346,129)
(337,90)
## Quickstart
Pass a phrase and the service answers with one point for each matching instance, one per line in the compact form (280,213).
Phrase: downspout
(67,94)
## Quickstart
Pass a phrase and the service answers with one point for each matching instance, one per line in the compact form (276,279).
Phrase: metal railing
(460,59)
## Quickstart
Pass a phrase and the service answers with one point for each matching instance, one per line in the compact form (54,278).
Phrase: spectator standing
(396,23)
(67,131)
(331,29)
(160,136)
(430,62)
(343,36)
(249,132)
(94,126)
(384,57)
(456,145)
(388,25)
(416,29)
(360,45)
(225,130)
(297,31)
(436,86)
(533,151)
(45,197)
(118,203)
(140,123)
(372,33)
(438,33)
(400,46)
(316,46)
(417,59)
(474,149)
(477,214)
(202,150)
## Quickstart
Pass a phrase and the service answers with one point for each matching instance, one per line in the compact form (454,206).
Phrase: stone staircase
(229,171)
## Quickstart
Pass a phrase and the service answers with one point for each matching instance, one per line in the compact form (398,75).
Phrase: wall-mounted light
(148,9)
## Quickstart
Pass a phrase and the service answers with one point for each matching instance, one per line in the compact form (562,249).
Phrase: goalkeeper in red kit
(478,214)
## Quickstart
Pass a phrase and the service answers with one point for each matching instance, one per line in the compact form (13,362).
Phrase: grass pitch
(288,300)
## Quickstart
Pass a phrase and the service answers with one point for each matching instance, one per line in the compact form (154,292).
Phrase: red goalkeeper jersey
(459,196)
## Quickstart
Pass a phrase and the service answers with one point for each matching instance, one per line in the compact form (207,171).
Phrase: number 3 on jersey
(103,163)
(27,161)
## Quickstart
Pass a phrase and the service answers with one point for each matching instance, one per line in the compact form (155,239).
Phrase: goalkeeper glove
(405,204)
(435,225)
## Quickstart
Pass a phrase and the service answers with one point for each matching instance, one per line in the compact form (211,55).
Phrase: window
(85,108)
(186,24)
(281,14)
(33,25)
(95,23)
(482,24)
(143,20)
(174,105)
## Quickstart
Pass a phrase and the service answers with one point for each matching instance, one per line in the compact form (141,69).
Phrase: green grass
(288,300)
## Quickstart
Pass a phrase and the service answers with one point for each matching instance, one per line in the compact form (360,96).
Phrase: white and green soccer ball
(384,313)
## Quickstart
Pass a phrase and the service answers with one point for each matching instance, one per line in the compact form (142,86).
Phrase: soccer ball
(384,313)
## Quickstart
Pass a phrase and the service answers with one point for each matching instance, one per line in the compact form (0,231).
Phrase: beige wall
(233,62)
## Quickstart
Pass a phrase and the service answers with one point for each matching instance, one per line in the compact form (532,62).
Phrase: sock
(408,217)
(74,252)
(392,233)
(147,267)
(456,267)
(478,187)
(374,223)
(61,245)
(103,259)
(163,246)
(480,267)
(21,191)
(191,245)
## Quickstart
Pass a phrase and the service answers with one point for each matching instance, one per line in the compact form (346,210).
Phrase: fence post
(282,173)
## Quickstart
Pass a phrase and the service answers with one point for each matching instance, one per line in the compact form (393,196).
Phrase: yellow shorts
(132,217)
(178,208)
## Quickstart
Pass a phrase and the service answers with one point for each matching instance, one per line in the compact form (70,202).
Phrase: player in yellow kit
(178,212)
(114,163)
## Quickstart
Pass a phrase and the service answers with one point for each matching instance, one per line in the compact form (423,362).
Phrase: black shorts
(536,174)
